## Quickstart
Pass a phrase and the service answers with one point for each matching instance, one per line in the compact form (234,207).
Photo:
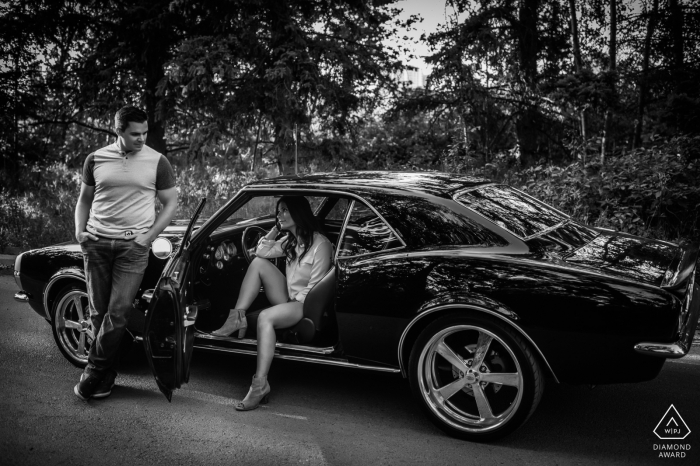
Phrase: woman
(308,255)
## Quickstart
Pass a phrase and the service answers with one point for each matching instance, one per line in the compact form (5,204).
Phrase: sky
(433,13)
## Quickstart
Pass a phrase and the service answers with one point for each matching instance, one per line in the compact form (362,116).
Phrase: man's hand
(144,239)
(84,236)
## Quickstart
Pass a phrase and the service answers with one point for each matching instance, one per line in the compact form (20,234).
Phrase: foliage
(653,191)
(44,214)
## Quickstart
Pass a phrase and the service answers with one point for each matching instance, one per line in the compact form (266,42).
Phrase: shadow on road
(614,422)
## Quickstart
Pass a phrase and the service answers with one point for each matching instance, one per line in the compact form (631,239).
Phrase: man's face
(134,136)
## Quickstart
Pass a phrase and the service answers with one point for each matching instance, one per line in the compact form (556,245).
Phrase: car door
(169,326)
(376,284)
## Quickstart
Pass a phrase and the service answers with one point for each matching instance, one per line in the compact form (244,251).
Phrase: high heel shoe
(259,394)
(236,321)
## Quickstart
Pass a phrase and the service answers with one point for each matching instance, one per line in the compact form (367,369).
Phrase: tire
(72,327)
(445,385)
(71,324)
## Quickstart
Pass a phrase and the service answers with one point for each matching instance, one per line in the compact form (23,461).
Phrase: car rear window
(423,223)
(511,209)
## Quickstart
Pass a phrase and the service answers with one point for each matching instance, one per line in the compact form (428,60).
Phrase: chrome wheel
(72,326)
(476,379)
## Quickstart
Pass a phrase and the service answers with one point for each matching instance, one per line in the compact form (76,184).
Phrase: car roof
(433,183)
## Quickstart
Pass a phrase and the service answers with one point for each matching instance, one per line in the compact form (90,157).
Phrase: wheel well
(426,319)
(56,287)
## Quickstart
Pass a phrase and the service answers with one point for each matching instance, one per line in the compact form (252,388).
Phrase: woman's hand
(272,234)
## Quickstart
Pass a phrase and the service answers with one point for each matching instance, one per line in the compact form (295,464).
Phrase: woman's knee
(264,320)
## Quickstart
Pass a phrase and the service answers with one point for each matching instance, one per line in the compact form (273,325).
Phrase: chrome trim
(347,220)
(22,297)
(60,275)
(686,325)
(373,253)
(252,342)
(329,362)
(663,350)
(342,231)
(17,270)
(170,246)
(475,308)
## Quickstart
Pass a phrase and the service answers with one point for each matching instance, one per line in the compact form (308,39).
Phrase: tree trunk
(676,25)
(612,66)
(577,59)
(525,127)
(643,81)
(255,147)
(155,56)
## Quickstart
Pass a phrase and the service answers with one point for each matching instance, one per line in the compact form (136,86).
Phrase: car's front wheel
(72,327)
(475,377)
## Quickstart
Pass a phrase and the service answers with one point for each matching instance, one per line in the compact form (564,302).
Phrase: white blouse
(301,276)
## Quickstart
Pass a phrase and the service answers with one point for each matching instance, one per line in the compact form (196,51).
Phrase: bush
(653,192)
(44,214)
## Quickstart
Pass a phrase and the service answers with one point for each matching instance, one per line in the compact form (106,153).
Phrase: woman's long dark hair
(306,224)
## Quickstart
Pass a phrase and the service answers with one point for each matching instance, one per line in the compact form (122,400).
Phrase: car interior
(220,269)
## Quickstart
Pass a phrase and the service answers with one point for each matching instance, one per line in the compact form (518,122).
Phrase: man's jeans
(114,270)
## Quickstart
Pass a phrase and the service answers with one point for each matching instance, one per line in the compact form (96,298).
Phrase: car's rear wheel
(72,327)
(475,378)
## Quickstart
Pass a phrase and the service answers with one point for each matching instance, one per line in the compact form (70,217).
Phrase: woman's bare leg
(259,271)
(279,316)
(262,271)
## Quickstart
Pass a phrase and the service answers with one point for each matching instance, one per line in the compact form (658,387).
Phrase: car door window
(338,211)
(366,233)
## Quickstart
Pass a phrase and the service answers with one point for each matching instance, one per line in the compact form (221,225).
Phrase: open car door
(169,327)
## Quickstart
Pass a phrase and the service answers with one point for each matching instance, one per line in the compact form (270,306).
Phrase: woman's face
(284,217)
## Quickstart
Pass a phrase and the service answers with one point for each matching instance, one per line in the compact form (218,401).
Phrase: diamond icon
(672,426)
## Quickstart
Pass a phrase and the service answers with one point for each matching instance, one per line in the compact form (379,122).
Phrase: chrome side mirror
(162,248)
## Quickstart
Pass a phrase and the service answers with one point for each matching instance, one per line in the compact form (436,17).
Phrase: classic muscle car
(474,291)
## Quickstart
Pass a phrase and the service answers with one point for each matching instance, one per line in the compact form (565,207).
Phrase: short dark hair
(128,114)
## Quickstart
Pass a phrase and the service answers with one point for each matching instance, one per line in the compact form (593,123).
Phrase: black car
(474,291)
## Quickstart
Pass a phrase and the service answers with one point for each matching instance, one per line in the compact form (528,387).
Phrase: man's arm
(167,197)
(82,212)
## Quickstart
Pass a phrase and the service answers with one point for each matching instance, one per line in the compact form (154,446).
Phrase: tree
(277,64)
(644,77)
(612,65)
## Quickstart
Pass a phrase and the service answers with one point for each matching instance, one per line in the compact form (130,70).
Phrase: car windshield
(511,209)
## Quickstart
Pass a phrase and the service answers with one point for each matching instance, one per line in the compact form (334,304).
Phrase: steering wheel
(249,241)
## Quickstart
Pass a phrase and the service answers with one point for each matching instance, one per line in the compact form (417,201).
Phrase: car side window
(338,210)
(365,233)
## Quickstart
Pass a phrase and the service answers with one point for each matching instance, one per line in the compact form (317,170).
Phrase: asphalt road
(316,415)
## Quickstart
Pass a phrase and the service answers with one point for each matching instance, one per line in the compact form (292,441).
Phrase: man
(115,223)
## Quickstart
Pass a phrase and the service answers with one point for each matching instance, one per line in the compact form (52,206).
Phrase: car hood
(626,256)
(178,227)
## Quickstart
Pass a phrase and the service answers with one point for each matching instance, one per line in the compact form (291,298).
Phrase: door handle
(190,316)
